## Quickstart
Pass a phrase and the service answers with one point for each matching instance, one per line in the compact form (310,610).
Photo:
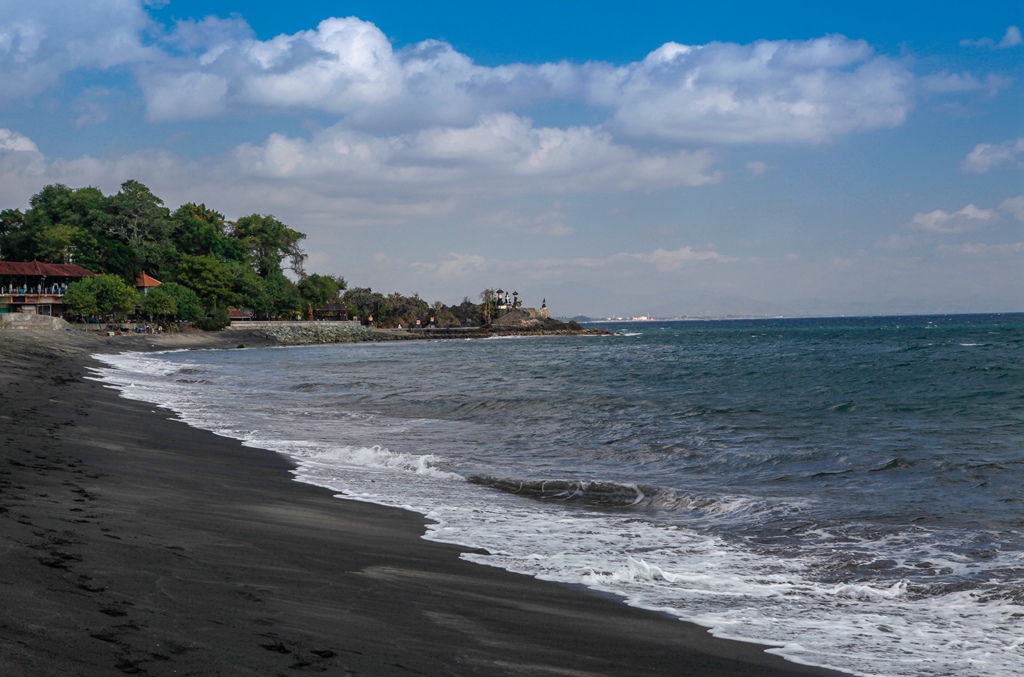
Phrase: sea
(848,491)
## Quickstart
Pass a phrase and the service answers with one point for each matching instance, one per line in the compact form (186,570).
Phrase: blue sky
(662,158)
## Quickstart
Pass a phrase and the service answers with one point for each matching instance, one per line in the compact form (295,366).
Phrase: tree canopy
(105,296)
(206,263)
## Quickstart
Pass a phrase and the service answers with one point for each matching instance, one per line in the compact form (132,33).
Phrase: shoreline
(133,543)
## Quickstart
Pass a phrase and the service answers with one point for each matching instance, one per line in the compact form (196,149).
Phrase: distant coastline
(584,320)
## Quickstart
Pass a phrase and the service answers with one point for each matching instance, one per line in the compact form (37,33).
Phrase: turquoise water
(849,490)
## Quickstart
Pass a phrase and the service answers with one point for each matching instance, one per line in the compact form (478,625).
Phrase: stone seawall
(260,324)
(304,333)
(31,321)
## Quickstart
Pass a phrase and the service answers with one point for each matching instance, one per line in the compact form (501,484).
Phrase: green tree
(80,299)
(14,238)
(136,215)
(57,244)
(159,303)
(318,290)
(138,219)
(65,225)
(268,242)
(362,302)
(198,231)
(188,307)
(467,313)
(104,295)
(443,316)
(210,279)
(488,306)
(245,283)
(282,296)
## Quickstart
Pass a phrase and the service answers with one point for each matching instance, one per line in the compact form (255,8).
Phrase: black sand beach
(131,543)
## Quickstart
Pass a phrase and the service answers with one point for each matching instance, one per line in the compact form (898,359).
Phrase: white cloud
(769,91)
(663,260)
(779,91)
(208,35)
(1014,207)
(757,168)
(22,167)
(359,179)
(956,83)
(550,222)
(1011,38)
(459,266)
(344,66)
(12,142)
(42,40)
(94,105)
(976,249)
(945,223)
(987,156)
(668,260)
(503,153)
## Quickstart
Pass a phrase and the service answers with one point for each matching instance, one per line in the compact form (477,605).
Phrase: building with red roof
(145,282)
(35,287)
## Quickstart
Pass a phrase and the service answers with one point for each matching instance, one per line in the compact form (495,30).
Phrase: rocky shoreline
(289,334)
(295,333)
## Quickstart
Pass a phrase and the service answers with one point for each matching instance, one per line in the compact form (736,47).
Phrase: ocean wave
(598,494)
(367,457)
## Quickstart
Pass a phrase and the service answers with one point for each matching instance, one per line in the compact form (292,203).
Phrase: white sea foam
(738,592)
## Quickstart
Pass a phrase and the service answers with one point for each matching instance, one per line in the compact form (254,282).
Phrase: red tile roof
(37,269)
(146,281)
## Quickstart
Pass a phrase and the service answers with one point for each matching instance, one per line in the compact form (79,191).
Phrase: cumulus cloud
(42,40)
(1014,207)
(986,157)
(1011,38)
(345,66)
(945,223)
(766,92)
(502,152)
(375,180)
(769,91)
(12,143)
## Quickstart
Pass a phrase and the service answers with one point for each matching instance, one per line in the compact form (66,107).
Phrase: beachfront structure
(508,300)
(37,288)
(145,282)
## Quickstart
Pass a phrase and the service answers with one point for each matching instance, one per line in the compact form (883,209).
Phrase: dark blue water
(848,488)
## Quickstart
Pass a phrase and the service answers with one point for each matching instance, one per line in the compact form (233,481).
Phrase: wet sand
(131,543)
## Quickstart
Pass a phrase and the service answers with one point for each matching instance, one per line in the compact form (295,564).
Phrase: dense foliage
(104,295)
(206,264)
(210,264)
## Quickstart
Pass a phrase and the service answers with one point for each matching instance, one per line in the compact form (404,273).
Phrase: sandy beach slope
(131,543)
